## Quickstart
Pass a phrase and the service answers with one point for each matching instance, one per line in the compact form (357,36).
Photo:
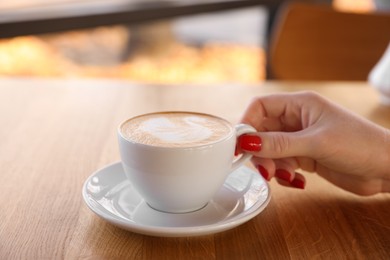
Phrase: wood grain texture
(54,134)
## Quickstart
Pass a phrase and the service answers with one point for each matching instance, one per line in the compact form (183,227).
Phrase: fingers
(275,144)
(284,122)
(283,170)
(298,182)
(266,167)
(283,112)
(274,154)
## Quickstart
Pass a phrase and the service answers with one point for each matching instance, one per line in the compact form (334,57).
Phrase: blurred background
(211,46)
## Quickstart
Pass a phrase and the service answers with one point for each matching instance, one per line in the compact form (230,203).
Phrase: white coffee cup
(177,161)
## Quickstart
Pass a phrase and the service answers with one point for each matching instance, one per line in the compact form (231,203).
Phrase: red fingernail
(250,143)
(298,183)
(283,175)
(263,171)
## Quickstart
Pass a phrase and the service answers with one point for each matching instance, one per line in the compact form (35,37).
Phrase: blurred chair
(316,42)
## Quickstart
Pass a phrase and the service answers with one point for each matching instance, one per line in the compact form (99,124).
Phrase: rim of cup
(228,136)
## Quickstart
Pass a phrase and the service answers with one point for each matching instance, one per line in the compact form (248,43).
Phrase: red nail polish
(298,183)
(263,171)
(283,175)
(250,143)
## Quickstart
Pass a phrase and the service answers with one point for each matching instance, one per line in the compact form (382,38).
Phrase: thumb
(275,144)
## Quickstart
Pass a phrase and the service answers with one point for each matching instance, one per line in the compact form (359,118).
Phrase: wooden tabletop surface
(56,133)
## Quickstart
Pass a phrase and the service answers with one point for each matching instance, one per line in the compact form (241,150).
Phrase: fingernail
(250,143)
(283,175)
(298,183)
(263,171)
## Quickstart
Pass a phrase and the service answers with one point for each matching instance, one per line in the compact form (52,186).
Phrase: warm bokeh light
(30,56)
(212,63)
(100,53)
(355,6)
(96,53)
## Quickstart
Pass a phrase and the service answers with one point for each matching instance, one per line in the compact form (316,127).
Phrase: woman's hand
(306,131)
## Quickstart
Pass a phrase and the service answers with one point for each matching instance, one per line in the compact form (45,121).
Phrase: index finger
(279,112)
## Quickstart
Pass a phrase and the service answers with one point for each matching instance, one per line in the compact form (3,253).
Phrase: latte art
(189,130)
(175,129)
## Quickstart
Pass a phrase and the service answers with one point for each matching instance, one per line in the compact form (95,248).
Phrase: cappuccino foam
(175,129)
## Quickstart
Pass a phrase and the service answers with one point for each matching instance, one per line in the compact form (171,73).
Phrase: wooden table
(55,133)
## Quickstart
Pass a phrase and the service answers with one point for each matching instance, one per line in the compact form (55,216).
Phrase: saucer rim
(159,231)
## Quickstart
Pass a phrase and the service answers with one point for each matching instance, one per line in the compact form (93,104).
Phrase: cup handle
(242,129)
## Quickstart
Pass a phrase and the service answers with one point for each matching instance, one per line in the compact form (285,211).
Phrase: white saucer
(109,194)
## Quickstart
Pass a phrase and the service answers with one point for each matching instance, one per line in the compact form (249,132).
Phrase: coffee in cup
(176,129)
(177,161)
